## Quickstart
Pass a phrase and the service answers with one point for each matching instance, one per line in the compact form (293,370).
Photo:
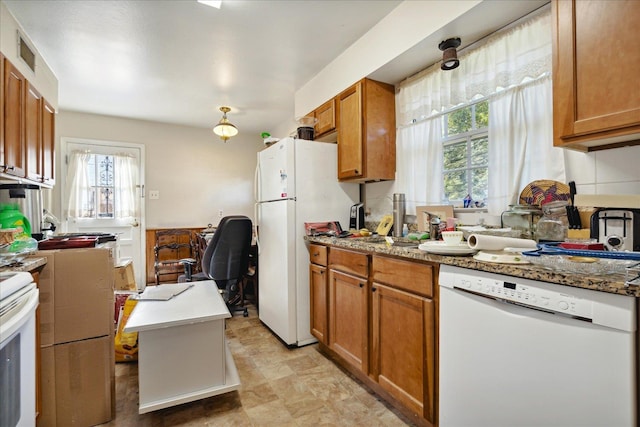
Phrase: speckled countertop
(28,264)
(610,283)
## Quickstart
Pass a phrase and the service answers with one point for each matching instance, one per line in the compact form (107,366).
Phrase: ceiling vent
(25,52)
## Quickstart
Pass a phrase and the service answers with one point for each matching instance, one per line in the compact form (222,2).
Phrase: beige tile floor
(280,387)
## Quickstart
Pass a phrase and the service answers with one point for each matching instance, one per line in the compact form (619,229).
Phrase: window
(100,200)
(466,153)
(101,186)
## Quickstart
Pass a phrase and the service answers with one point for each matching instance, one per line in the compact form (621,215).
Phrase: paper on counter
(497,243)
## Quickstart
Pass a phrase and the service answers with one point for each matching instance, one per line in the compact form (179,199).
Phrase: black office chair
(225,260)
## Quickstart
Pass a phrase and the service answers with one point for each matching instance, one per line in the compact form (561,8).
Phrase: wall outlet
(154,194)
(220,214)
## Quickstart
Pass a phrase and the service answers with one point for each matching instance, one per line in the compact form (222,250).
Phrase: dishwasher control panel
(515,291)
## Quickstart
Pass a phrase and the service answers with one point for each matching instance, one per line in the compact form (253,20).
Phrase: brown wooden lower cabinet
(348,318)
(318,297)
(381,314)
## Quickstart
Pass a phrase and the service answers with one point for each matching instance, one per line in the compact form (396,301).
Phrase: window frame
(468,137)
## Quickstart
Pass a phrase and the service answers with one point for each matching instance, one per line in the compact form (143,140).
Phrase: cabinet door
(13,147)
(350,152)
(326,116)
(318,296)
(595,86)
(48,144)
(403,350)
(33,132)
(348,318)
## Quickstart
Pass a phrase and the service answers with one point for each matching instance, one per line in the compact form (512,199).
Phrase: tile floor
(280,387)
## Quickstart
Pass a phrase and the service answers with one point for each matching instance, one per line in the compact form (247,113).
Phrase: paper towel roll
(497,243)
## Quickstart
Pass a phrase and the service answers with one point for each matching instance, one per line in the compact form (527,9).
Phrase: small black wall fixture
(449,55)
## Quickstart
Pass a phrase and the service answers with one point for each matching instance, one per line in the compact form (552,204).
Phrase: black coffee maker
(356,217)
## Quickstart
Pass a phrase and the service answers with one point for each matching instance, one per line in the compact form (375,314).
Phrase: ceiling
(178,61)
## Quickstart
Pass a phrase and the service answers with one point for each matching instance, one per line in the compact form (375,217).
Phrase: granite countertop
(28,264)
(610,283)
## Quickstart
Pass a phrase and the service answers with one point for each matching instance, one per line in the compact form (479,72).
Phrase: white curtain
(78,184)
(520,148)
(512,70)
(82,195)
(125,186)
(506,59)
(420,181)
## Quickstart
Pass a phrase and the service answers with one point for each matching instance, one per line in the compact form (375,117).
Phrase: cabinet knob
(361,285)
(373,289)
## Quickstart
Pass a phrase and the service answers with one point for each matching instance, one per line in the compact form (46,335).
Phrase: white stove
(18,302)
(13,281)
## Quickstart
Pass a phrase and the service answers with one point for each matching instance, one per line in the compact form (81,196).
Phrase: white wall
(406,25)
(613,171)
(43,78)
(196,173)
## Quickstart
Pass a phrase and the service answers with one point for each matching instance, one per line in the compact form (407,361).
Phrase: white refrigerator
(296,182)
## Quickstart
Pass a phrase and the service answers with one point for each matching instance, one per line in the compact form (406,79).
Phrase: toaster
(618,229)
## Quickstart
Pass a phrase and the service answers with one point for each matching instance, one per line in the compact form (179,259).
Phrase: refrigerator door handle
(256,182)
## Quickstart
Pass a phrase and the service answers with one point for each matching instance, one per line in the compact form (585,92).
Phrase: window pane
(106,203)
(459,121)
(455,156)
(479,184)
(91,167)
(88,209)
(106,170)
(480,151)
(455,185)
(482,114)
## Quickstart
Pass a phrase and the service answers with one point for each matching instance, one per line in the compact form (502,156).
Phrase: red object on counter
(68,243)
(586,245)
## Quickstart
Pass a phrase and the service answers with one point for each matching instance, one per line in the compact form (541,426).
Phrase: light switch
(154,194)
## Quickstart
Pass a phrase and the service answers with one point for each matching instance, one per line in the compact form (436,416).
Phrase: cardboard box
(78,383)
(124,278)
(47,299)
(47,414)
(83,293)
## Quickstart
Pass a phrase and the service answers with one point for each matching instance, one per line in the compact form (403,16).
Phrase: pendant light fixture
(224,129)
(449,55)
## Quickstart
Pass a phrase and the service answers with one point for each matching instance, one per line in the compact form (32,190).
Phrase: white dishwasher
(516,352)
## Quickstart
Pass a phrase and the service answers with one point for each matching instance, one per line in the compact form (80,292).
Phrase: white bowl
(452,238)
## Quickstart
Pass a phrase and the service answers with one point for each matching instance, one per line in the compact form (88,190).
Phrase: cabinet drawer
(349,262)
(410,276)
(318,254)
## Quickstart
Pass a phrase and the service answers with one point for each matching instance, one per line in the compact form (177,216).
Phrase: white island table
(182,351)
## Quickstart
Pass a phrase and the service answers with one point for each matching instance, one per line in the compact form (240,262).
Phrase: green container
(11,217)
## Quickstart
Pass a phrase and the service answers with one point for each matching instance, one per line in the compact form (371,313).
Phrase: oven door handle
(13,320)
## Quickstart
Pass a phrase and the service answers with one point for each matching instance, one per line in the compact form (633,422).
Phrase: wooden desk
(183,354)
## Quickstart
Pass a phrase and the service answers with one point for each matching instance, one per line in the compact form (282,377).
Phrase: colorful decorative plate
(538,193)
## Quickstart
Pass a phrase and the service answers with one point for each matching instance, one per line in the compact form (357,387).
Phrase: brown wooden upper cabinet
(366,132)
(13,137)
(596,91)
(47,172)
(27,129)
(33,132)
(325,127)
